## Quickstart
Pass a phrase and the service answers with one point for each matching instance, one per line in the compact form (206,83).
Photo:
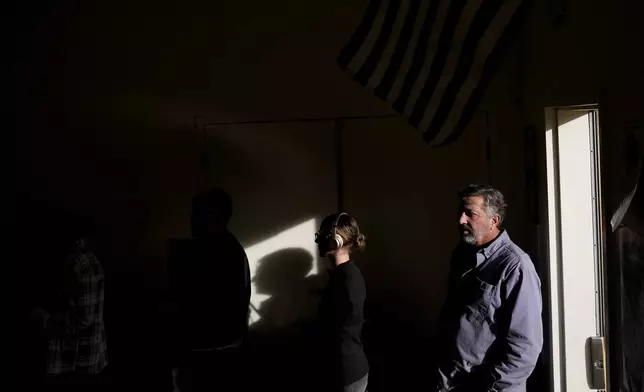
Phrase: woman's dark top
(341,319)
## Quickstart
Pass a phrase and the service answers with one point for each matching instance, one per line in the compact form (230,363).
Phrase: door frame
(600,221)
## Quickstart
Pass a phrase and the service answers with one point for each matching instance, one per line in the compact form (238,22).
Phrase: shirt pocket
(478,299)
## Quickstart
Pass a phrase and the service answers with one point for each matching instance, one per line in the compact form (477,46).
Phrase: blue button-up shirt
(491,330)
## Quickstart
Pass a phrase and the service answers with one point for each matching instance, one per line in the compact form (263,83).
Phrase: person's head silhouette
(211,212)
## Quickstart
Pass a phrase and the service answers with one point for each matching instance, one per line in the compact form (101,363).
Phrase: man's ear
(496,220)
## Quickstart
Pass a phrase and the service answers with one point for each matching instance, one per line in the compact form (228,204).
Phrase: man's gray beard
(469,239)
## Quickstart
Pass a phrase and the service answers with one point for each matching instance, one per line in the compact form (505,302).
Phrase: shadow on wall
(279,346)
(284,277)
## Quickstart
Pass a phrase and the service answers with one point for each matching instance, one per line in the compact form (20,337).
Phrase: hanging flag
(432,60)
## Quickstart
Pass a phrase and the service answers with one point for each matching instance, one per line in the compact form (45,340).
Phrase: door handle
(595,362)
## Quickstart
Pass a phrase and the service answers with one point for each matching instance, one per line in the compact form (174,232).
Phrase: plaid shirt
(76,336)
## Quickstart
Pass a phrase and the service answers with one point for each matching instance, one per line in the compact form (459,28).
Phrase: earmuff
(335,241)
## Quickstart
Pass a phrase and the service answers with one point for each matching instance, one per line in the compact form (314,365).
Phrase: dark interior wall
(166,62)
(108,92)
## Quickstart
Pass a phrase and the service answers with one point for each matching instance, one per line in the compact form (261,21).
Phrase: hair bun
(361,242)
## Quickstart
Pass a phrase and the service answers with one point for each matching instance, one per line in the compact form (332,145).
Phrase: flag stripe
(424,12)
(435,72)
(367,69)
(479,80)
(376,76)
(427,62)
(419,57)
(361,57)
(396,60)
(437,111)
(360,35)
(435,96)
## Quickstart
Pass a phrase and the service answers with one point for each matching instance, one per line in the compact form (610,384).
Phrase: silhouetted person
(70,317)
(211,284)
(342,304)
(490,333)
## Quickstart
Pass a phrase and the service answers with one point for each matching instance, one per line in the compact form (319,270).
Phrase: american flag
(432,59)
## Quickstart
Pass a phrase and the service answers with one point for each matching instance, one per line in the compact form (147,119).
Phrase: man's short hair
(215,203)
(493,199)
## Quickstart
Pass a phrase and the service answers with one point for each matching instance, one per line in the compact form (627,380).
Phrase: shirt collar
(493,246)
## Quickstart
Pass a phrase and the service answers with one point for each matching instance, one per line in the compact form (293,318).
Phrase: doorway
(575,249)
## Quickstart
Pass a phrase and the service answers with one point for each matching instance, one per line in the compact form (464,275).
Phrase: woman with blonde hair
(341,309)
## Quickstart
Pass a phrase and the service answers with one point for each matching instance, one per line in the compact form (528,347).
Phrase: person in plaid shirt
(76,349)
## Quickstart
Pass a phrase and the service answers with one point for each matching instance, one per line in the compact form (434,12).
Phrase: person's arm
(520,349)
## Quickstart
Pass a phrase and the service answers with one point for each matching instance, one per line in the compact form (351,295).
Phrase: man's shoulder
(233,248)
(516,259)
(511,254)
(516,251)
